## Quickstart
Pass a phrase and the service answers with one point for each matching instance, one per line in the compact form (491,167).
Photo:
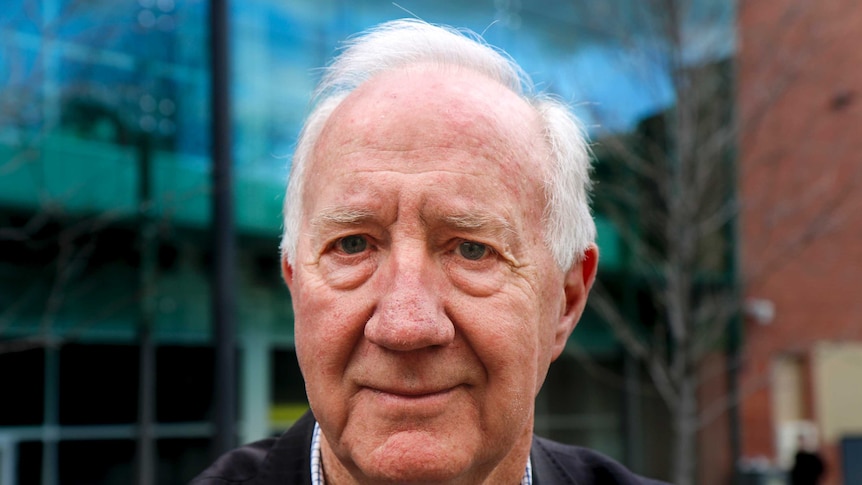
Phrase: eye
(352,244)
(472,250)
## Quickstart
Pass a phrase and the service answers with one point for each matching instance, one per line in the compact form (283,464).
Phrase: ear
(576,286)
(287,273)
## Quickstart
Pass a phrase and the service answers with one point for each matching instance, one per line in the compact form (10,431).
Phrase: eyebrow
(473,222)
(341,216)
(483,223)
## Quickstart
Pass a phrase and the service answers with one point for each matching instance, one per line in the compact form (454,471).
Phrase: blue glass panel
(22,78)
(163,30)
(21,16)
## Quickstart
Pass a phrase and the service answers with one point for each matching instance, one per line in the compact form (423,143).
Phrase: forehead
(422,108)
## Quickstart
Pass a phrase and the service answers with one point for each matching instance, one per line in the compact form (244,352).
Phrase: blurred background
(725,331)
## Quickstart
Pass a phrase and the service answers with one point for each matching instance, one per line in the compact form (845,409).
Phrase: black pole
(145,451)
(224,250)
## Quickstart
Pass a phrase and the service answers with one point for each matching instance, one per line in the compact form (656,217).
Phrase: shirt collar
(317,463)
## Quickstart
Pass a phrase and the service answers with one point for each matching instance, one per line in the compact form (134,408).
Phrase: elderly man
(439,249)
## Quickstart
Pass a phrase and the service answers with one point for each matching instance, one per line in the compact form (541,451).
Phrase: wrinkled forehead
(429,106)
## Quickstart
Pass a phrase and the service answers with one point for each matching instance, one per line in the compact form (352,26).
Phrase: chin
(416,457)
(415,472)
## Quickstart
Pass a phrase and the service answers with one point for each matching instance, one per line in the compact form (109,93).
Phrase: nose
(410,314)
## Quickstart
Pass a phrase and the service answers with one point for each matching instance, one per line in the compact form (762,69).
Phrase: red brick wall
(800,102)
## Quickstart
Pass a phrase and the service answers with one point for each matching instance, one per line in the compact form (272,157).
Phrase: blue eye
(472,250)
(353,244)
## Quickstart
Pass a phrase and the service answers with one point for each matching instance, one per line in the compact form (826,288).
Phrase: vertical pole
(8,462)
(145,450)
(50,113)
(50,430)
(223,297)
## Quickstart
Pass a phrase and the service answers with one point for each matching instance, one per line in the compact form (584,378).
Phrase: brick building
(800,83)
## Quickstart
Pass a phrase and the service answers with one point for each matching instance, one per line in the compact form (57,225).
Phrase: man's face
(427,306)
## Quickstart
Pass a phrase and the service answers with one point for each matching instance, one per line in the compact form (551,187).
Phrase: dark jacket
(287,461)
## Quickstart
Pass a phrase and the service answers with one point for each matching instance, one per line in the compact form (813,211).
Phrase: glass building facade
(105,213)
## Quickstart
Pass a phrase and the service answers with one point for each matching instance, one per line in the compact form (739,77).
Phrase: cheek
(328,325)
(503,333)
(548,327)
(515,339)
(513,362)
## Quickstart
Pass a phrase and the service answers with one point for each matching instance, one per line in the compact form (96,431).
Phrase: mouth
(397,399)
(411,393)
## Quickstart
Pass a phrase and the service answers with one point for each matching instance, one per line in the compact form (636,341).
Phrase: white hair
(569,228)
